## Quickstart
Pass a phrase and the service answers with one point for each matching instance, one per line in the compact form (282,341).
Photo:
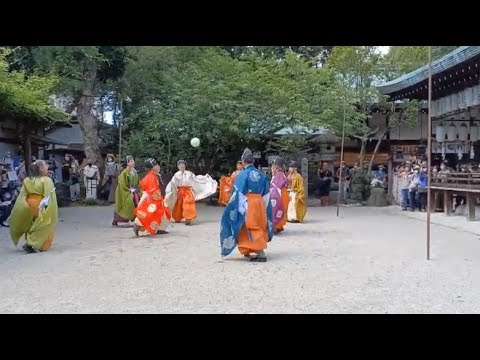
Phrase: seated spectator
(5,208)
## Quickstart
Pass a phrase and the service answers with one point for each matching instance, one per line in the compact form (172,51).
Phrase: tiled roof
(456,57)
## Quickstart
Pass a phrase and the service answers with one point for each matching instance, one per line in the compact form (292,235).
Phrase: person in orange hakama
(226,185)
(151,213)
(248,227)
(184,207)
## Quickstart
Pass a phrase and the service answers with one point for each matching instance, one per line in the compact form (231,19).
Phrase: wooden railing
(457,181)
(448,185)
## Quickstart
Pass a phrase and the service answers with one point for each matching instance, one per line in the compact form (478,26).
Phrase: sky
(384,49)
(108,115)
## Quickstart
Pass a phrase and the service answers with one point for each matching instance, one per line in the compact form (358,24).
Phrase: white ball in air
(195,142)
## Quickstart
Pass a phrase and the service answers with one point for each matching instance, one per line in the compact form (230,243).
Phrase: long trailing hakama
(296,207)
(151,211)
(35,213)
(278,190)
(184,190)
(127,196)
(248,227)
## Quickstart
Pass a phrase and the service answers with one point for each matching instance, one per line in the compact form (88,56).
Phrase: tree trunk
(88,122)
(27,151)
(377,146)
(375,151)
(361,157)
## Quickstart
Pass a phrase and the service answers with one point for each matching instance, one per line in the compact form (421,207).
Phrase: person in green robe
(35,213)
(127,194)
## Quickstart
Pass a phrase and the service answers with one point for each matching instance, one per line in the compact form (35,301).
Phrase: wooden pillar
(390,180)
(437,201)
(305,176)
(433,204)
(448,202)
(471,206)
(54,162)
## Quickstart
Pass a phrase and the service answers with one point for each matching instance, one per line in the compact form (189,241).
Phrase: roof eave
(456,57)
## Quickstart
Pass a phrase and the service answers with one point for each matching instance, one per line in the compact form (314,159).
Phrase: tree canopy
(25,97)
(404,59)
(228,102)
(228,96)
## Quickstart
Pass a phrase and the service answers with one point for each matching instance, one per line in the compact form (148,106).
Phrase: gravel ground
(370,260)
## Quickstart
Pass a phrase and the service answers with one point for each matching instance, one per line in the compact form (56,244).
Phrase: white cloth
(242,203)
(45,201)
(291,211)
(185,178)
(90,171)
(202,186)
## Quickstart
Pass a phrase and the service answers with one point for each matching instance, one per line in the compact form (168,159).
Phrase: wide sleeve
(298,186)
(241,183)
(48,186)
(150,184)
(175,181)
(283,180)
(123,180)
(21,217)
(147,184)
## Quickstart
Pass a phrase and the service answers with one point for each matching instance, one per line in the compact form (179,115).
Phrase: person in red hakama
(151,213)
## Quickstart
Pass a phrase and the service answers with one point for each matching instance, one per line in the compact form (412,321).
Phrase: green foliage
(409,113)
(357,68)
(27,97)
(69,63)
(314,54)
(288,145)
(404,59)
(360,68)
(183,92)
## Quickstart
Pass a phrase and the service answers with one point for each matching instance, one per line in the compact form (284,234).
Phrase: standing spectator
(66,175)
(21,171)
(109,185)
(354,169)
(422,188)
(7,161)
(404,175)
(413,187)
(71,176)
(380,173)
(325,176)
(345,180)
(91,177)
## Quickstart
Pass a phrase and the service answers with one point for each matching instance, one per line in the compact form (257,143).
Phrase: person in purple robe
(279,195)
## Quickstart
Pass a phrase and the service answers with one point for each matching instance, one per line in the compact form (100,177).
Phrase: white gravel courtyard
(370,260)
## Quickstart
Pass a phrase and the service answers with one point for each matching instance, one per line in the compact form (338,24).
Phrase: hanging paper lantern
(476,95)
(452,132)
(463,132)
(440,133)
(469,97)
(474,132)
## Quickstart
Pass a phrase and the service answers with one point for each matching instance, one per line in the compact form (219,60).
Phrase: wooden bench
(454,183)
